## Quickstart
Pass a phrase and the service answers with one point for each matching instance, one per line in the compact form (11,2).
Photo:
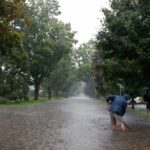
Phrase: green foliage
(46,41)
(123,45)
(83,60)
(18,104)
(13,57)
(12,16)
(32,57)
(61,79)
(3,100)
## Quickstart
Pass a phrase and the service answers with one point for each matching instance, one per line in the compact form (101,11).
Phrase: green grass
(29,103)
(138,111)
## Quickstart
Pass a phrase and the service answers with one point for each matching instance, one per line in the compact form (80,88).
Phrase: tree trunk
(132,103)
(36,92)
(49,93)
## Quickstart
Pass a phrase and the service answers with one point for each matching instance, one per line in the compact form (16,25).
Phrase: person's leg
(123,127)
(148,108)
(120,123)
(113,121)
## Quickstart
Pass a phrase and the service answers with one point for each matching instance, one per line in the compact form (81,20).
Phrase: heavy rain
(60,92)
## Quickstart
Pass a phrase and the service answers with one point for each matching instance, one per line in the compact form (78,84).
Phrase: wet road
(72,124)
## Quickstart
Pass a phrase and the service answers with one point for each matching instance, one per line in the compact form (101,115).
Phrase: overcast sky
(84,16)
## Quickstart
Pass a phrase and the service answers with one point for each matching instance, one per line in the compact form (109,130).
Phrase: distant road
(142,106)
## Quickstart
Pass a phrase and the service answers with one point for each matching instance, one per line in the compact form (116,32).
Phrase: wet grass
(138,111)
(29,103)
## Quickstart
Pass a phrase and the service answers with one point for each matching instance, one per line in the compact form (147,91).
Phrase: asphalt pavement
(76,123)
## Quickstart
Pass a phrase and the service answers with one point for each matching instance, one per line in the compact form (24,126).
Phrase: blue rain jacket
(118,104)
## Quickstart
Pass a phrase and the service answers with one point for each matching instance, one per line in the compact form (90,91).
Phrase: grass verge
(29,103)
(138,111)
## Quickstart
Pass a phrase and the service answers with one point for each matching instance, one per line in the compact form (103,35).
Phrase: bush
(4,100)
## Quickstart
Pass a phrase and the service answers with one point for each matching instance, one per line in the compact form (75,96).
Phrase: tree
(13,19)
(47,40)
(123,45)
(83,59)
(13,57)
(98,77)
(62,78)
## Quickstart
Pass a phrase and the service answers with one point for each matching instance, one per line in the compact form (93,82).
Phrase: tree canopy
(83,60)
(47,40)
(32,43)
(123,45)
(13,57)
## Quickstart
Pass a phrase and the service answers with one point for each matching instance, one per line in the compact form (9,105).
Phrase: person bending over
(117,109)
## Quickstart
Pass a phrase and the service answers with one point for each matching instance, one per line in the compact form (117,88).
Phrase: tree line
(33,43)
(122,56)
(37,50)
(37,53)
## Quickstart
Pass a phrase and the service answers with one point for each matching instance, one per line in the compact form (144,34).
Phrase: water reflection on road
(77,123)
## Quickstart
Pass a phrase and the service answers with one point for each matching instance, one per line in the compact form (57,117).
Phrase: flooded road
(72,124)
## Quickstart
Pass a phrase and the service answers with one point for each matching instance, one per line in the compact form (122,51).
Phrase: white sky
(83,15)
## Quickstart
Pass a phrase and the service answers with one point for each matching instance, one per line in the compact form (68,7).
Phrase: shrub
(4,100)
